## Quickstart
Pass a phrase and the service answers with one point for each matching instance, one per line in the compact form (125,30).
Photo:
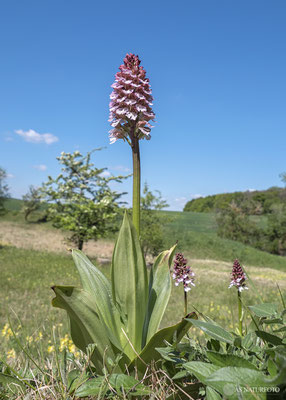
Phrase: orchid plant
(122,316)
(238,278)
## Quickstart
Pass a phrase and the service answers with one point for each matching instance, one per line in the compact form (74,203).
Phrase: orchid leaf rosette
(122,316)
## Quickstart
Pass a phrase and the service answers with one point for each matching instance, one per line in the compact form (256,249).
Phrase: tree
(81,200)
(234,224)
(276,231)
(4,190)
(32,201)
(151,222)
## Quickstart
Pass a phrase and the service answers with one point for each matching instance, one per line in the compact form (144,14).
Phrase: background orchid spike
(182,272)
(238,277)
(131,101)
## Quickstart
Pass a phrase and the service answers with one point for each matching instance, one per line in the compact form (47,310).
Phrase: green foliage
(121,317)
(230,366)
(4,191)
(234,224)
(81,200)
(151,232)
(32,201)
(276,232)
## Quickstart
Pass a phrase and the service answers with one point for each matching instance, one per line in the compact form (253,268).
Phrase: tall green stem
(186,302)
(136,183)
(239,312)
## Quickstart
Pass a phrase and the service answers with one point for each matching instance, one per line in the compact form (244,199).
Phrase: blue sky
(217,70)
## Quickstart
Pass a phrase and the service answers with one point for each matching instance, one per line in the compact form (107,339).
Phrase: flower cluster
(182,272)
(131,101)
(238,277)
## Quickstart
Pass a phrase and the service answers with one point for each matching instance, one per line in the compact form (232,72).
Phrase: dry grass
(38,237)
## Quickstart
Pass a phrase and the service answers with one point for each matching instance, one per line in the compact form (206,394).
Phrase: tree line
(251,202)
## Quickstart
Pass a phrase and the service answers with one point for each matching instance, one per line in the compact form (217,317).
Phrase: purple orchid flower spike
(238,277)
(131,101)
(183,273)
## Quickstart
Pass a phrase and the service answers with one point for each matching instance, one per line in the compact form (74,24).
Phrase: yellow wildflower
(51,349)
(64,342)
(11,354)
(39,337)
(71,347)
(6,331)
(29,339)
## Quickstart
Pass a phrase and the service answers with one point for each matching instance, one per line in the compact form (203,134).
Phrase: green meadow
(28,273)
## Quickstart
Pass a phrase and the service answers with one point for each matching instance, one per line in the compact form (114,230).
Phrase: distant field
(194,232)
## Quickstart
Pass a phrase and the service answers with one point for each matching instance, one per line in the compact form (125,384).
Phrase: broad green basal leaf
(129,281)
(99,289)
(86,326)
(214,331)
(159,293)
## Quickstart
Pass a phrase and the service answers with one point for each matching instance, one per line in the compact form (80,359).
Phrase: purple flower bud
(182,272)
(238,277)
(131,100)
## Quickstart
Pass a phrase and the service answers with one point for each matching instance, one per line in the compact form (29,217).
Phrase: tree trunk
(80,244)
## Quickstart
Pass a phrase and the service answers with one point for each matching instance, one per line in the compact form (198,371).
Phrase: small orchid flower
(238,277)
(182,273)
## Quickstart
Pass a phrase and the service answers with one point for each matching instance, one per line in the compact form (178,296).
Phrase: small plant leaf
(230,381)
(214,331)
(119,382)
(129,384)
(269,338)
(92,387)
(211,394)
(229,360)
(201,370)
(6,379)
(264,309)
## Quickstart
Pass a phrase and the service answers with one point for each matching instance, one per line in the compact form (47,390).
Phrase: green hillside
(13,204)
(252,202)
(196,236)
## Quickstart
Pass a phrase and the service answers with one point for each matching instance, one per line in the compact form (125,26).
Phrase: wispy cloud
(10,176)
(105,174)
(35,137)
(121,168)
(196,196)
(40,167)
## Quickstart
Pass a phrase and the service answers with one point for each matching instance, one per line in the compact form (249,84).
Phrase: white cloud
(10,176)
(40,167)
(35,137)
(196,196)
(105,174)
(180,199)
(121,168)
(251,190)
